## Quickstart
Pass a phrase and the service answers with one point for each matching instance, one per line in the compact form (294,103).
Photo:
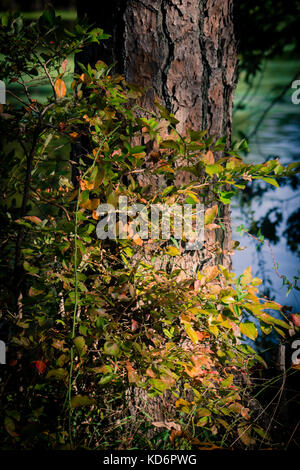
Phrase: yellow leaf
(227,299)
(249,329)
(173,251)
(60,88)
(247,277)
(192,333)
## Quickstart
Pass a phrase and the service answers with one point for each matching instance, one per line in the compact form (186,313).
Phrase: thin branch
(47,73)
(20,100)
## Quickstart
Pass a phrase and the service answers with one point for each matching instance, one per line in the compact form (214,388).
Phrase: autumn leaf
(64,64)
(249,329)
(295,319)
(246,277)
(169,425)
(209,158)
(210,273)
(41,366)
(60,88)
(210,215)
(191,333)
(85,184)
(90,204)
(137,240)
(132,374)
(74,135)
(244,433)
(95,216)
(212,226)
(33,218)
(172,251)
(134,325)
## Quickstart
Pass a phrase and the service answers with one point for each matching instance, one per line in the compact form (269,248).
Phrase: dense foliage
(92,321)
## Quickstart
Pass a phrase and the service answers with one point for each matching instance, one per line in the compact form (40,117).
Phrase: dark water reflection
(278,136)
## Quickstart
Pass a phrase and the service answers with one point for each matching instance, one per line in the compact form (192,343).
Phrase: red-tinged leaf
(132,375)
(41,366)
(295,319)
(33,218)
(134,325)
(64,65)
(209,157)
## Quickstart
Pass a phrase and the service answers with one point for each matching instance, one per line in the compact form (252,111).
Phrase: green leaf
(80,345)
(214,169)
(271,181)
(58,374)
(112,349)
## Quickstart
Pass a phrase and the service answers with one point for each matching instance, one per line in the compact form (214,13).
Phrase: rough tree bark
(185,52)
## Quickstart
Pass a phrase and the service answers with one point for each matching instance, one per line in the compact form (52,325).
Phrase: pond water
(277,136)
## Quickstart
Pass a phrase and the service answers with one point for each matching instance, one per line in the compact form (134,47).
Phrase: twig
(292,435)
(47,73)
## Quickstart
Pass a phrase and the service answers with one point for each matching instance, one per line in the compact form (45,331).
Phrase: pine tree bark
(185,50)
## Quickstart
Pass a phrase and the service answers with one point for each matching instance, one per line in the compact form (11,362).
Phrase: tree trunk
(185,52)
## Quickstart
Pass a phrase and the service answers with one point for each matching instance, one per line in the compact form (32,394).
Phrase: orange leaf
(74,135)
(95,215)
(85,184)
(137,240)
(209,158)
(60,88)
(33,218)
(90,204)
